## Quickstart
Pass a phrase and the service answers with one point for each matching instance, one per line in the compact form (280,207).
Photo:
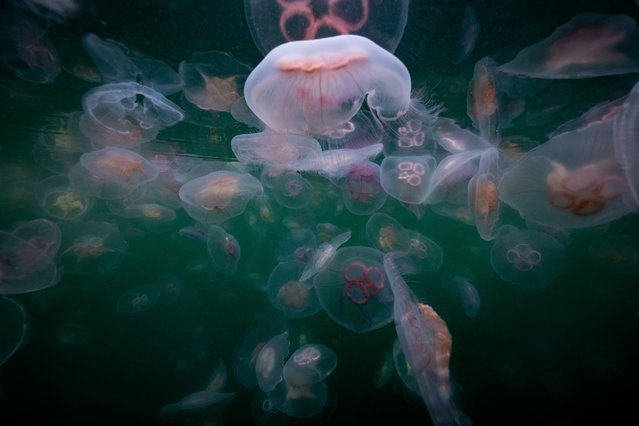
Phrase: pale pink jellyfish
(407,178)
(625,137)
(483,199)
(294,297)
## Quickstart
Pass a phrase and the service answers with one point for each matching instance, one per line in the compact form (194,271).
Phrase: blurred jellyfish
(42,234)
(309,364)
(361,188)
(291,190)
(462,282)
(326,90)
(618,253)
(270,362)
(13,327)
(385,370)
(455,139)
(287,292)
(150,213)
(428,255)
(483,103)
(61,201)
(527,258)
(91,247)
(298,245)
(265,413)
(223,249)
(589,45)
(353,289)
(407,178)
(323,255)
(482,195)
(273,24)
(468,35)
(138,299)
(625,135)
(299,401)
(386,233)
(218,196)
(273,149)
(196,406)
(170,289)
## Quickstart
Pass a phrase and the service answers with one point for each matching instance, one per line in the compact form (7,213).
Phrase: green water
(564,354)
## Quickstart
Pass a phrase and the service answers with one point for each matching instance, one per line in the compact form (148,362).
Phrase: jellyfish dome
(274,22)
(270,362)
(327,82)
(309,364)
(13,327)
(526,258)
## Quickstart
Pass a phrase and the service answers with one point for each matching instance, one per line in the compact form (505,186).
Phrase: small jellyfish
(483,101)
(170,289)
(218,196)
(13,327)
(462,283)
(361,188)
(353,289)
(296,298)
(61,201)
(265,413)
(408,178)
(291,190)
(138,299)
(428,255)
(325,91)
(223,249)
(279,21)
(270,362)
(386,233)
(455,139)
(196,406)
(309,364)
(299,401)
(42,234)
(617,253)
(527,258)
(482,195)
(298,245)
(410,134)
(323,255)
(468,35)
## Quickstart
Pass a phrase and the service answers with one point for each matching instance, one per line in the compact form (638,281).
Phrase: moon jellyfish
(273,149)
(384,371)
(60,200)
(91,247)
(298,245)
(196,406)
(589,45)
(170,288)
(291,190)
(327,82)
(361,188)
(527,258)
(461,282)
(265,413)
(428,255)
(468,35)
(386,233)
(403,368)
(407,178)
(274,22)
(455,139)
(218,196)
(482,195)
(138,299)
(353,289)
(309,364)
(617,253)
(288,293)
(42,234)
(625,136)
(150,213)
(335,163)
(13,327)
(270,362)
(571,181)
(483,102)
(323,255)
(223,249)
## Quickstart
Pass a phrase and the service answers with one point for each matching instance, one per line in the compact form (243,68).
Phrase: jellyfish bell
(407,178)
(309,364)
(223,249)
(328,80)
(361,188)
(14,327)
(42,234)
(386,233)
(483,199)
(273,149)
(295,297)
(270,362)
(625,136)
(461,282)
(139,299)
(299,401)
(196,406)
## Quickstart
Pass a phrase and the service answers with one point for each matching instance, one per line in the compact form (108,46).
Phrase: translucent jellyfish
(468,35)
(298,245)
(327,82)
(13,327)
(213,80)
(91,247)
(218,378)
(527,258)
(571,181)
(408,178)
(385,370)
(625,135)
(410,134)
(482,195)
(428,255)
(335,163)
(323,255)
(309,364)
(294,297)
(354,291)
(218,196)
(361,188)
(265,413)
(386,233)
(24,267)
(616,253)
(197,406)
(130,107)
(275,22)
(170,288)
(483,101)
(291,190)
(455,139)
(60,200)
(42,234)
(270,362)
(139,299)
(403,369)
(251,346)
(589,45)
(462,283)
(223,249)
(449,183)
(299,401)
(268,148)
(151,213)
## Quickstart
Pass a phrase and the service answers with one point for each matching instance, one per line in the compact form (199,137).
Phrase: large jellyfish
(625,136)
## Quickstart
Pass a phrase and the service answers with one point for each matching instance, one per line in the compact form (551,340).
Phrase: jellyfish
(618,253)
(138,299)
(571,181)
(335,163)
(13,327)
(309,364)
(526,258)
(483,101)
(326,89)
(455,139)
(483,199)
(223,249)
(428,255)
(279,21)
(407,178)
(468,35)
(626,152)
(385,370)
(386,233)
(196,406)
(90,247)
(265,413)
(42,234)
(361,188)
(299,401)
(589,45)
(268,148)
(298,245)
(270,362)
(323,255)
(291,190)
(353,289)
(151,213)
(60,200)
(170,288)
(213,80)
(287,292)
(462,283)
(410,134)
(218,196)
